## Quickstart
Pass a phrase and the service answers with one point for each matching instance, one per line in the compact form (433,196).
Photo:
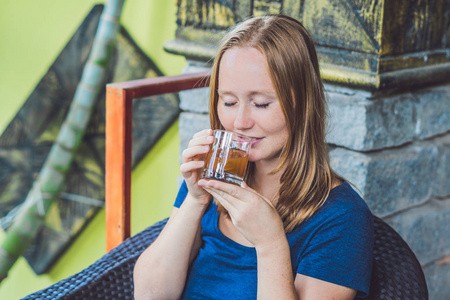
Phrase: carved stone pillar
(386,65)
(370,44)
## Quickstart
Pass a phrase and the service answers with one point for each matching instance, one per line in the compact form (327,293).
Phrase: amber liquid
(235,165)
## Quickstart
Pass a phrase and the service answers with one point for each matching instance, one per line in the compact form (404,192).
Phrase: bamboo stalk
(47,186)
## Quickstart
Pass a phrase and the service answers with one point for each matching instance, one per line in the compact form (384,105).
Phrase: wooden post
(118,165)
(119,100)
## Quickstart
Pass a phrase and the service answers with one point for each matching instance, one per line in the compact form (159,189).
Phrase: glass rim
(239,135)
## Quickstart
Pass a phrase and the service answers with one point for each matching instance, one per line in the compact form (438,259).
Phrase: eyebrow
(252,93)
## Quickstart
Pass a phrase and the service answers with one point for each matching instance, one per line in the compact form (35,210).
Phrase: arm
(161,270)
(337,262)
(309,288)
(169,256)
(275,279)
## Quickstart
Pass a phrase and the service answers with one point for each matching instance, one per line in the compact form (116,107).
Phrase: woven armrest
(110,277)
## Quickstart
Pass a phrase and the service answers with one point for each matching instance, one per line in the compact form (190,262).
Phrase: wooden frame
(119,99)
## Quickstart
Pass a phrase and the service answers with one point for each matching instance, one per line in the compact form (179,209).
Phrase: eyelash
(262,105)
(229,104)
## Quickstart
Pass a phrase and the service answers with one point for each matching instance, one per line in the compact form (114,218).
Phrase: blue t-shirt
(334,245)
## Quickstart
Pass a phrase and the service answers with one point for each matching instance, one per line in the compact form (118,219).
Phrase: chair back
(396,272)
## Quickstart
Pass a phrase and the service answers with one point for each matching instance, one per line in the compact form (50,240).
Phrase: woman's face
(248,103)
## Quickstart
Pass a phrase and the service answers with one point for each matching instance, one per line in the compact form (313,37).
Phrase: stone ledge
(438,281)
(361,124)
(441,185)
(196,100)
(364,123)
(188,125)
(389,180)
(360,121)
(425,229)
(396,179)
(433,111)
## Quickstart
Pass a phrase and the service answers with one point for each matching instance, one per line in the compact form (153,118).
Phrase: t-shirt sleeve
(340,251)
(182,193)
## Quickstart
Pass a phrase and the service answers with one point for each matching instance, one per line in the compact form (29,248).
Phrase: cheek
(226,119)
(277,124)
(280,130)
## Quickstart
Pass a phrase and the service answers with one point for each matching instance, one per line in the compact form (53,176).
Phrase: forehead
(244,69)
(243,57)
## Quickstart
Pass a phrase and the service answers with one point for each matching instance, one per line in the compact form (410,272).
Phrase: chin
(251,158)
(253,155)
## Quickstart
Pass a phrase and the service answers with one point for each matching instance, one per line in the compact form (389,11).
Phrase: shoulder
(345,215)
(346,195)
(346,211)
(335,243)
(344,202)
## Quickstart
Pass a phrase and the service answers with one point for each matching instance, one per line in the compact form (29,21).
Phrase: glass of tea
(227,159)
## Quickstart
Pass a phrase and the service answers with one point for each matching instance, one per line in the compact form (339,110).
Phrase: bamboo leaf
(46,187)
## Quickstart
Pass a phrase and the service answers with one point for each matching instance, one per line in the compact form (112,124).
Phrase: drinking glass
(227,159)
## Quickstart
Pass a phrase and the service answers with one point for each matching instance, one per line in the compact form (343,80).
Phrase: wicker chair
(396,272)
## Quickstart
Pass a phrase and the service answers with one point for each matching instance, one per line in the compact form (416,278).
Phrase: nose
(243,120)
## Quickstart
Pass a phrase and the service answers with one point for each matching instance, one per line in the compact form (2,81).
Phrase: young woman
(294,230)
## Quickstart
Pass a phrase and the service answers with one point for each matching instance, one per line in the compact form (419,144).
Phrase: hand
(193,162)
(252,214)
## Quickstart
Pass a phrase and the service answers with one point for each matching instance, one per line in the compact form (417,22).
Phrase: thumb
(245,186)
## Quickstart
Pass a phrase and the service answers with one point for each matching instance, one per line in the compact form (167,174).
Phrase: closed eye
(262,105)
(228,104)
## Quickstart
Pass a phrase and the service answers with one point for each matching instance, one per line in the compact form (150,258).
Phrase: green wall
(32,34)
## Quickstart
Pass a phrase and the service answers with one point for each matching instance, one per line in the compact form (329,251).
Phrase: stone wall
(386,64)
(395,149)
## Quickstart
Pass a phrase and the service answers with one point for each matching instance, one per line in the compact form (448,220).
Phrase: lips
(256,141)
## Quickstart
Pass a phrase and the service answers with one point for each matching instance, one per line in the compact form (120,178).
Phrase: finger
(255,195)
(226,188)
(226,203)
(191,166)
(201,141)
(203,137)
(247,188)
(214,186)
(190,153)
(204,132)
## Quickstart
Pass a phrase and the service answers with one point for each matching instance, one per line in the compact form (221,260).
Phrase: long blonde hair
(294,69)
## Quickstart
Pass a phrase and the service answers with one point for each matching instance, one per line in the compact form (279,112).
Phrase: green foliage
(51,178)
